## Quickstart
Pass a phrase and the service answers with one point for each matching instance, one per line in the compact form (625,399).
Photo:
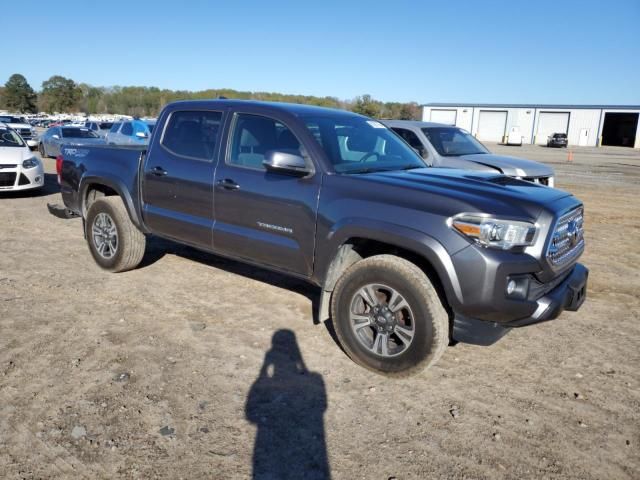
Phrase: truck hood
(14,155)
(464,190)
(512,166)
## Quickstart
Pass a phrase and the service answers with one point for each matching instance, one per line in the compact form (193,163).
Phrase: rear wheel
(388,316)
(114,241)
(41,150)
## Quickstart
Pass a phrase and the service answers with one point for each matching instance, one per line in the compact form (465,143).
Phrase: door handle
(159,172)
(228,184)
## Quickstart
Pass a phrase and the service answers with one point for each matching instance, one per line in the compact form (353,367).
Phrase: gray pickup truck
(447,146)
(407,258)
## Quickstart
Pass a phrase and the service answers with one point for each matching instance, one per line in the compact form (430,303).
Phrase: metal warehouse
(585,125)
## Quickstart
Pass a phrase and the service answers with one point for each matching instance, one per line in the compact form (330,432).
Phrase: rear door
(268,218)
(177,189)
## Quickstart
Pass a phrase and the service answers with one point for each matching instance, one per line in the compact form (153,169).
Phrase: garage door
(448,117)
(491,125)
(549,123)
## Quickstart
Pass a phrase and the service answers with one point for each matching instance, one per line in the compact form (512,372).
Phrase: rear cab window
(192,134)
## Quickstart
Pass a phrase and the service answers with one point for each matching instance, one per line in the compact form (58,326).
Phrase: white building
(585,125)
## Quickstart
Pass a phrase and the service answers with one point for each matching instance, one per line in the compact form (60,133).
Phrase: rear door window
(192,134)
(115,127)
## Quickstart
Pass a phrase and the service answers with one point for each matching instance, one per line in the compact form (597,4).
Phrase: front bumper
(568,295)
(16,179)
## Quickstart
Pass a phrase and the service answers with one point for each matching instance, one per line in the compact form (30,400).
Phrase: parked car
(24,129)
(19,169)
(405,255)
(452,147)
(130,132)
(101,128)
(557,140)
(52,139)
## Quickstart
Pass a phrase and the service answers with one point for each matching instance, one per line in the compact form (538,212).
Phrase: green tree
(18,95)
(60,94)
(365,105)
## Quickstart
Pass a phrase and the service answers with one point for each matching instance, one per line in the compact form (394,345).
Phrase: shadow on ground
(287,404)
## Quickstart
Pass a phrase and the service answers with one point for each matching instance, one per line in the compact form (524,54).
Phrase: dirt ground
(193,366)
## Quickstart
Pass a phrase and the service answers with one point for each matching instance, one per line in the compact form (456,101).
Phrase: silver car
(129,132)
(452,147)
(51,140)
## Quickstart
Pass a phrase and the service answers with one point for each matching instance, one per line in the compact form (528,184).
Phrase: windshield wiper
(388,169)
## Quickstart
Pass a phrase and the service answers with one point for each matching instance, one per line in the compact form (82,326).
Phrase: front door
(268,218)
(583,140)
(178,177)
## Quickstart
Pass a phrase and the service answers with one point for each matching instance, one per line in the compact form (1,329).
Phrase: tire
(424,315)
(118,253)
(42,151)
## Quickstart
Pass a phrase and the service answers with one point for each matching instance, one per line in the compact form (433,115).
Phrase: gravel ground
(193,366)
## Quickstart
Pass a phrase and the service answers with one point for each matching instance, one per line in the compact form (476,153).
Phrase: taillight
(59,160)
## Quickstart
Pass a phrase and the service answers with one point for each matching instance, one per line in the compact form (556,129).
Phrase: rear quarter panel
(114,167)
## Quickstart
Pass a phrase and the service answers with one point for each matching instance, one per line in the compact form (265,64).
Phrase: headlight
(30,163)
(495,233)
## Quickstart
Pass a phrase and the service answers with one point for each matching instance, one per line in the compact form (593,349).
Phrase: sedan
(53,139)
(19,169)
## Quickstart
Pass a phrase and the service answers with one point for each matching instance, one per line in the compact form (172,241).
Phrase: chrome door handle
(228,184)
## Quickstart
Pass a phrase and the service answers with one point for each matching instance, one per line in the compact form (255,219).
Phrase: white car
(26,131)
(19,169)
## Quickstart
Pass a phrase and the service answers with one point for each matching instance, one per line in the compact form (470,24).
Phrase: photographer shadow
(287,404)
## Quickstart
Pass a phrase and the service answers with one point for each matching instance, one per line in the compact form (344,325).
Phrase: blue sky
(396,50)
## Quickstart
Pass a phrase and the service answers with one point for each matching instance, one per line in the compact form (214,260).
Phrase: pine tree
(18,95)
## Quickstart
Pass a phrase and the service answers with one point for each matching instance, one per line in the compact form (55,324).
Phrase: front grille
(7,179)
(6,165)
(567,241)
(23,180)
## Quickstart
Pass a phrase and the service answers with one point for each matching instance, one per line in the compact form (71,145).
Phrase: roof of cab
(292,108)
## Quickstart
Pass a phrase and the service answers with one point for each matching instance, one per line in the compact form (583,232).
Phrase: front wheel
(114,241)
(43,155)
(388,316)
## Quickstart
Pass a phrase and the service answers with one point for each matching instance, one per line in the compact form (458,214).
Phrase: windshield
(360,145)
(7,119)
(75,132)
(452,141)
(9,138)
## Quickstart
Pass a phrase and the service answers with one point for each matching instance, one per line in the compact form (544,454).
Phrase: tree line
(63,95)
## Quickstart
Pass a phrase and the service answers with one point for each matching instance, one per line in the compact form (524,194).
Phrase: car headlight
(30,163)
(493,232)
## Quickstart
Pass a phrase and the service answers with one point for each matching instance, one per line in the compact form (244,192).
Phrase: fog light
(518,287)
(37,179)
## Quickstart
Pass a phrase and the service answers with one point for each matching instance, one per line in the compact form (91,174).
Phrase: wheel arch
(106,186)
(424,251)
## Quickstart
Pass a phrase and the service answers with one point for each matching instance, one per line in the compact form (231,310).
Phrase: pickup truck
(407,258)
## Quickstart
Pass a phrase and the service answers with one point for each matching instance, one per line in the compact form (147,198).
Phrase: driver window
(254,136)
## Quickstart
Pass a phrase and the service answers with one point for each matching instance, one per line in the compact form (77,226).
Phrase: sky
(562,51)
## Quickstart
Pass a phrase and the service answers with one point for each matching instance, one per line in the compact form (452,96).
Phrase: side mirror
(284,162)
(141,135)
(55,136)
